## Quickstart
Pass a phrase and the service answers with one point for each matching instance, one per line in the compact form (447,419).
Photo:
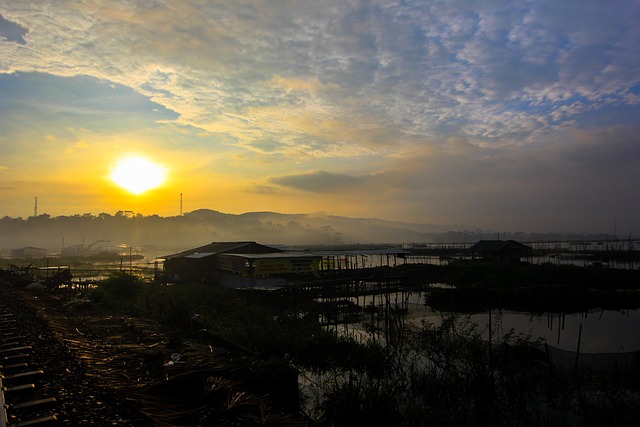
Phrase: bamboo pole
(578,351)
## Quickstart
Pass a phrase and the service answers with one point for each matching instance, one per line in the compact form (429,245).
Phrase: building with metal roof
(239,264)
(250,264)
(500,250)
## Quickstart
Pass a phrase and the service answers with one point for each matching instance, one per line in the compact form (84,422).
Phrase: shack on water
(500,250)
(240,264)
(250,264)
(29,252)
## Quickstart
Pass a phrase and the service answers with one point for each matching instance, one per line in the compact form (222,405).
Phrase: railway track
(80,367)
(25,402)
(66,389)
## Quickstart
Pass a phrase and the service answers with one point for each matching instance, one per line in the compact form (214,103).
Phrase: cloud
(318,182)
(585,180)
(420,69)
(458,106)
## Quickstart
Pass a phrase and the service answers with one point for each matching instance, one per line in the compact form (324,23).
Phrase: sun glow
(137,174)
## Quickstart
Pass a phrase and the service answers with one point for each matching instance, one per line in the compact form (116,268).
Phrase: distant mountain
(205,226)
(358,230)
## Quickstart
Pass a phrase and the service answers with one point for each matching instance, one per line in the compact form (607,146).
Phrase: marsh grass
(431,375)
(448,375)
(224,312)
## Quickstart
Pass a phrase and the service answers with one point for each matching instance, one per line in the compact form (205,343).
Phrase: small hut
(499,250)
(29,252)
(240,264)
(203,263)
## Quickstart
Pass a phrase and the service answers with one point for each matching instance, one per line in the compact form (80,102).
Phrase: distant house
(499,250)
(29,252)
(239,264)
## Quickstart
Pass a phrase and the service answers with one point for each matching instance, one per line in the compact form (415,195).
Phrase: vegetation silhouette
(205,225)
(441,374)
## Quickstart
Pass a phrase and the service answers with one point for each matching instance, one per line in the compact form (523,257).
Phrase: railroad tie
(14,366)
(18,388)
(13,357)
(9,344)
(12,349)
(11,336)
(30,404)
(22,405)
(22,374)
(37,421)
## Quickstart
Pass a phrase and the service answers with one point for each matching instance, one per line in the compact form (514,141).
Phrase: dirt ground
(108,369)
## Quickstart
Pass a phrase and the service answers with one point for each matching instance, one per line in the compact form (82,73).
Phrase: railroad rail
(23,401)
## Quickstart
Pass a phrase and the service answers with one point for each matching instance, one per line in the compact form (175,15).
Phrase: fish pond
(598,330)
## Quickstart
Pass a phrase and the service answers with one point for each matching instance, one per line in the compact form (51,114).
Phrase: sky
(517,115)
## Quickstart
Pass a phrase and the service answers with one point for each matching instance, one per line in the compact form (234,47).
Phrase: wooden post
(578,350)
(490,339)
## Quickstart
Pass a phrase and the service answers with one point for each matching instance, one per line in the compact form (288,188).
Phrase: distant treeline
(204,226)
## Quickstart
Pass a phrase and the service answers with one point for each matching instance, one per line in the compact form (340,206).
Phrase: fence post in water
(578,351)
(490,339)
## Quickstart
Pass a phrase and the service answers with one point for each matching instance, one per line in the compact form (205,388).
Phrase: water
(603,331)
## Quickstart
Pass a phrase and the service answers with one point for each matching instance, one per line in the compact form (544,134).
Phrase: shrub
(120,290)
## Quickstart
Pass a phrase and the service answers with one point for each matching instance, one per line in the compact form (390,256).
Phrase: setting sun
(137,174)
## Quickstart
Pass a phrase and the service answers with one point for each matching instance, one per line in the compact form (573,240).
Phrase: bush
(120,290)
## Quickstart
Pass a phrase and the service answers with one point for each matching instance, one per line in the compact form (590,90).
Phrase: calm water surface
(603,331)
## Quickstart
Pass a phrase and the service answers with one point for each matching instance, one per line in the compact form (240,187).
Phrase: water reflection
(603,331)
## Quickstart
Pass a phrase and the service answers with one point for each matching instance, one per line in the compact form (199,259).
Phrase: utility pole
(180,204)
(35,208)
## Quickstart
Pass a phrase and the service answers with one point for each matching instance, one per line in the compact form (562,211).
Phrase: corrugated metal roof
(496,245)
(364,252)
(199,255)
(230,248)
(276,255)
(216,248)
